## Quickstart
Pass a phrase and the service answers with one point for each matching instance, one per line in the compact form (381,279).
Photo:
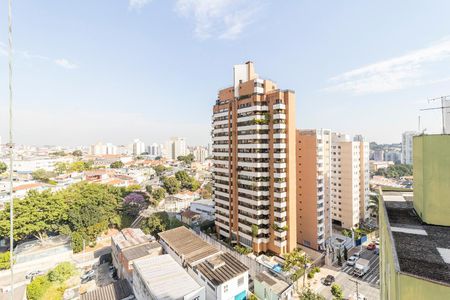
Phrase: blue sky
(88,71)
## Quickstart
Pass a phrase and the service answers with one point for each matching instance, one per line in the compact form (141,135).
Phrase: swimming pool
(277,268)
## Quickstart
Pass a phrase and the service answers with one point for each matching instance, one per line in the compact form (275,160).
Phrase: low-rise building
(118,290)
(189,217)
(222,275)
(162,277)
(376,165)
(268,287)
(204,207)
(128,246)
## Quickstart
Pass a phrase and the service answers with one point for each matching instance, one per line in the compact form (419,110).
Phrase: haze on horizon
(88,71)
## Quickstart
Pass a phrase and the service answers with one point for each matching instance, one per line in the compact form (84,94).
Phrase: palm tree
(296,262)
(373,204)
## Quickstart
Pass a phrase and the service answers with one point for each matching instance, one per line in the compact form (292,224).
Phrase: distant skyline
(111,71)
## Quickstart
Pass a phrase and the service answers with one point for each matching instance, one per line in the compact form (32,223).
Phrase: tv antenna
(442,108)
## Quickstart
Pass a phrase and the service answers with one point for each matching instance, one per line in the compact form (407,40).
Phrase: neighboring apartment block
(222,275)
(313,187)
(350,175)
(415,227)
(332,184)
(254,163)
(407,147)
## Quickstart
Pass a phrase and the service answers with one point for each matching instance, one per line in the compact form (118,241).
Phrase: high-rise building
(254,163)
(175,147)
(200,154)
(313,187)
(155,149)
(103,149)
(414,228)
(138,147)
(407,147)
(349,180)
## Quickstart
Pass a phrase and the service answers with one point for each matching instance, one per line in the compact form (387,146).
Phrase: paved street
(373,276)
(368,285)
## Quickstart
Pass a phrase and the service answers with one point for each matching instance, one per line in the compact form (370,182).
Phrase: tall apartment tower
(349,180)
(407,147)
(254,163)
(313,187)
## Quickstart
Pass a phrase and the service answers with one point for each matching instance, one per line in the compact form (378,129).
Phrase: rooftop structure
(162,278)
(119,290)
(189,245)
(222,275)
(265,284)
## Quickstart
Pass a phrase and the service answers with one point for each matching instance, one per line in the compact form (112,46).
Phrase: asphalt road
(372,277)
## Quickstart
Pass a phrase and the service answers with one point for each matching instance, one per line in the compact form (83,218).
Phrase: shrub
(5,260)
(37,288)
(77,242)
(336,291)
(61,272)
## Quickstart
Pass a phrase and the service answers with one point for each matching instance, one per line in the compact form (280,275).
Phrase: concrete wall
(432,178)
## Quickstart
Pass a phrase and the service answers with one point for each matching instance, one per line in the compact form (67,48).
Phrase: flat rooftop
(221,268)
(115,291)
(129,237)
(276,285)
(422,250)
(165,278)
(187,244)
(140,251)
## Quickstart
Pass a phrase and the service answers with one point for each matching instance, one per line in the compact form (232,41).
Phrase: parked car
(377,242)
(87,274)
(34,274)
(371,246)
(329,280)
(87,278)
(351,260)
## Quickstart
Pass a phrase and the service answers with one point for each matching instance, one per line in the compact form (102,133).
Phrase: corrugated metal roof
(219,273)
(115,291)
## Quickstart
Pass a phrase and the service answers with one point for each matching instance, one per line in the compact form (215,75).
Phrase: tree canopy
(159,169)
(159,222)
(171,185)
(117,165)
(86,209)
(187,182)
(187,159)
(396,171)
(42,175)
(77,153)
(3,167)
(158,194)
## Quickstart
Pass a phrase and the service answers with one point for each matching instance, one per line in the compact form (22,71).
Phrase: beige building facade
(254,165)
(349,180)
(313,187)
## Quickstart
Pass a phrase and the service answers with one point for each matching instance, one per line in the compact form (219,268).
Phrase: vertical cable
(11,147)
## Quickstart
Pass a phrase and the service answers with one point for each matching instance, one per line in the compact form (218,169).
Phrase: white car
(351,261)
(88,274)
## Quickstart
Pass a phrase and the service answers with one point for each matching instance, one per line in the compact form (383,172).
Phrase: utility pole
(357,287)
(442,108)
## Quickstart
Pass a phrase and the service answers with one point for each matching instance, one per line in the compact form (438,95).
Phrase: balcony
(253,155)
(279,175)
(279,126)
(280,195)
(279,116)
(280,185)
(279,106)
(280,204)
(279,165)
(279,155)
(279,146)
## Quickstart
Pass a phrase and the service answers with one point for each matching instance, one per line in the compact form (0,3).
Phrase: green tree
(296,263)
(37,288)
(187,159)
(158,222)
(171,185)
(336,291)
(42,175)
(117,165)
(159,169)
(186,181)
(36,215)
(207,191)
(252,297)
(61,167)
(5,260)
(77,242)
(3,167)
(78,153)
(339,258)
(149,189)
(158,194)
(62,272)
(308,294)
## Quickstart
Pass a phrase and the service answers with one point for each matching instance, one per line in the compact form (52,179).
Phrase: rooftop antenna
(442,108)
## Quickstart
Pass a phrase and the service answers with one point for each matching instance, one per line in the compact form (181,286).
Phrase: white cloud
(224,19)
(393,74)
(62,62)
(137,4)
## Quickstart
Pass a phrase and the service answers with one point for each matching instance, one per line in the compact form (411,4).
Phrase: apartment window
(225,288)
